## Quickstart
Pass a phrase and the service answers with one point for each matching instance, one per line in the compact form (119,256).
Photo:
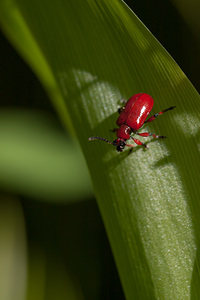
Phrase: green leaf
(13,256)
(99,52)
(39,161)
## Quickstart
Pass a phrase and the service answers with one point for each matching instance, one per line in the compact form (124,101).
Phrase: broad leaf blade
(99,52)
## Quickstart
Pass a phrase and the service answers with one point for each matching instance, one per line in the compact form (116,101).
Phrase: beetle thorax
(124,132)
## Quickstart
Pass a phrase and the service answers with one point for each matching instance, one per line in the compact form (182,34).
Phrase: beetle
(132,116)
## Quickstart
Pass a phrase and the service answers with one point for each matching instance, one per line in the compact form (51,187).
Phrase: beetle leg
(145,134)
(131,146)
(123,101)
(120,109)
(138,142)
(158,114)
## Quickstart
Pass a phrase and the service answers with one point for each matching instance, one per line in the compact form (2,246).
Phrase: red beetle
(132,117)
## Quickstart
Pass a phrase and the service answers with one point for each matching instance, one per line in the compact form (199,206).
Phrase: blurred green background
(51,230)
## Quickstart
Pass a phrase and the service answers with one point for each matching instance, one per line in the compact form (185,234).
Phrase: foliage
(95,53)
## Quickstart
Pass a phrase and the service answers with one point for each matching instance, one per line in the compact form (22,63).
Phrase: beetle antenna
(100,138)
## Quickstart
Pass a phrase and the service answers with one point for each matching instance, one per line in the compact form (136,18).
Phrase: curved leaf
(99,52)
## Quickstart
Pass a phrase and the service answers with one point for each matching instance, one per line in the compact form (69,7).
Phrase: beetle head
(120,144)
